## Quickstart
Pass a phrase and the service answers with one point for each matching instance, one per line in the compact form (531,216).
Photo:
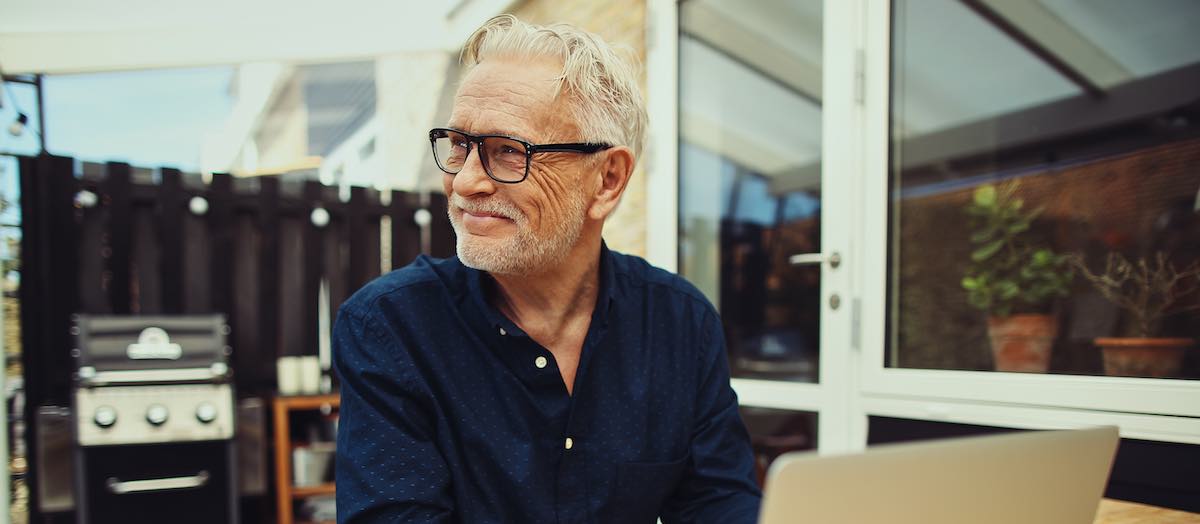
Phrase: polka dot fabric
(451,413)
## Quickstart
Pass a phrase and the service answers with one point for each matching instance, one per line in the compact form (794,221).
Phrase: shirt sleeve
(720,484)
(388,467)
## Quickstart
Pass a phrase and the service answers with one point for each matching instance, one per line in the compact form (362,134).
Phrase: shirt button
(570,443)
(540,362)
(503,332)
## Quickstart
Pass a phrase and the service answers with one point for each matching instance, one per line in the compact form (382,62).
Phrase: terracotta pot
(1022,343)
(1143,357)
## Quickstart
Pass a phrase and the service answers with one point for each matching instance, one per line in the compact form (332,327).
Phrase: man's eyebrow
(490,131)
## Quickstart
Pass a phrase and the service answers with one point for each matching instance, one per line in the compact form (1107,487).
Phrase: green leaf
(985,195)
(1007,289)
(980,300)
(987,250)
(983,235)
(1020,226)
(1032,215)
(970,284)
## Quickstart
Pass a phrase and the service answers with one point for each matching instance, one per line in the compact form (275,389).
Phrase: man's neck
(552,304)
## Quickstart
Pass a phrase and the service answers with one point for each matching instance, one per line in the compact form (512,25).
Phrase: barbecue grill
(154,420)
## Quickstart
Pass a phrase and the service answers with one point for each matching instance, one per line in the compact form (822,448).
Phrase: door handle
(804,259)
(120,487)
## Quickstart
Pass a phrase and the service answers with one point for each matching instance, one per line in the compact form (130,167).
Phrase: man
(538,376)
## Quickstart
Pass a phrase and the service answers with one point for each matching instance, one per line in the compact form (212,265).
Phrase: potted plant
(1013,280)
(1149,290)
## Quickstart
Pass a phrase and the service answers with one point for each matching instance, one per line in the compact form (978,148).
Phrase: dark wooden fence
(119,240)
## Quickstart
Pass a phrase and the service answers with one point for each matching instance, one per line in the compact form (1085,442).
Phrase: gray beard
(523,254)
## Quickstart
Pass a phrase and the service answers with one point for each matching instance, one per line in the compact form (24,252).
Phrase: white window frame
(854,383)
(1154,409)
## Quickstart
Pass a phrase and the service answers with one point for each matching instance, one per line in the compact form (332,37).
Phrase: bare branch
(1148,289)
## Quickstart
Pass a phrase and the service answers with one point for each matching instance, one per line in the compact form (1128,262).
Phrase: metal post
(5,471)
(41,109)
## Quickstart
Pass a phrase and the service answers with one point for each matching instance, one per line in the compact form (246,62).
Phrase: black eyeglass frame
(530,150)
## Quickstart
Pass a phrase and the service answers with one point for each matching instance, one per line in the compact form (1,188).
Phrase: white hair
(601,83)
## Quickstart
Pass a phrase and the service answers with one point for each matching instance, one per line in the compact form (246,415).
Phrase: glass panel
(1045,210)
(750,176)
(774,432)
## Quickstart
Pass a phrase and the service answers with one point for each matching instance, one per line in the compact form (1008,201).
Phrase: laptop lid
(1042,477)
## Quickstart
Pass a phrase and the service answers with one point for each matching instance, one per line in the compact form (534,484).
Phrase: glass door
(767,105)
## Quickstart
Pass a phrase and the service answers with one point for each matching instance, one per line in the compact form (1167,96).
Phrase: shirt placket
(566,423)
(538,371)
(572,471)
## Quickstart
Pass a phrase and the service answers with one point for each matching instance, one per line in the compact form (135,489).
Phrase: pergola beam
(1051,40)
(743,45)
(66,37)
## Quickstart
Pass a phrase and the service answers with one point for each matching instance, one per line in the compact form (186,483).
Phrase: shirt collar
(495,321)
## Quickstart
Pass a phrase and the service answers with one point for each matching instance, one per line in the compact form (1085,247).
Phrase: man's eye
(509,150)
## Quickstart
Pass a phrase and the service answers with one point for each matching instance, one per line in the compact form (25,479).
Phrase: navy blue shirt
(451,413)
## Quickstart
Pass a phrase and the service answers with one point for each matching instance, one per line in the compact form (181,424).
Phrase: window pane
(750,176)
(1045,210)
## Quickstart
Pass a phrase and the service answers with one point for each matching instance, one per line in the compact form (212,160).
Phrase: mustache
(489,206)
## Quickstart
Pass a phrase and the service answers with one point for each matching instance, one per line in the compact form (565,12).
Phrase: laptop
(1042,477)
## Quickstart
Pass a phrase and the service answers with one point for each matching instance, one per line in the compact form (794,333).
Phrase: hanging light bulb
(18,126)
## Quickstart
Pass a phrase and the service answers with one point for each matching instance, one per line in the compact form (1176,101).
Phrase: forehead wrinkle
(483,121)
(509,98)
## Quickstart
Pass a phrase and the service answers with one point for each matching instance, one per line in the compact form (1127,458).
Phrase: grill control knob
(206,412)
(157,414)
(105,416)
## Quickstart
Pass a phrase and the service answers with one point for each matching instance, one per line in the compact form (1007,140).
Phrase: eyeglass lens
(504,159)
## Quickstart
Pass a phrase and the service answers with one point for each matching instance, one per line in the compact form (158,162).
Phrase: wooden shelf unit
(285,492)
(300,492)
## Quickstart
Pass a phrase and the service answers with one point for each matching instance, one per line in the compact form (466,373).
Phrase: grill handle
(120,487)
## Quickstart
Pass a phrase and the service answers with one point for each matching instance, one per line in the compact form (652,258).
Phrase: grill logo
(154,343)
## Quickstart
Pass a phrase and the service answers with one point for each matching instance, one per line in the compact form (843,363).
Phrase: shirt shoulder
(635,275)
(658,297)
(422,275)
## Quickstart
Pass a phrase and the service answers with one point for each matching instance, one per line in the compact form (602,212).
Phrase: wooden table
(1121,512)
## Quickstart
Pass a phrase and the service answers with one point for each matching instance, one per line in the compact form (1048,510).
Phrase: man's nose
(472,179)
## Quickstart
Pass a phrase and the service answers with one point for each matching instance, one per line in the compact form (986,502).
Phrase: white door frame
(841,423)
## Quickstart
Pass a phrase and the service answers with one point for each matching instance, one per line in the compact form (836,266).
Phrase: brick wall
(1122,203)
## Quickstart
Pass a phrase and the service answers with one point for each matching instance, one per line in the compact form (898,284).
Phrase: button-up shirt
(451,413)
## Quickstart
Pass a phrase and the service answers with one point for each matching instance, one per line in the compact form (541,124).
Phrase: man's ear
(614,172)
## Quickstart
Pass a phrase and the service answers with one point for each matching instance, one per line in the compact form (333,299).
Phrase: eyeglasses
(505,159)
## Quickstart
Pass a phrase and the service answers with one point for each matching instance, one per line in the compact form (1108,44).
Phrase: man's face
(528,227)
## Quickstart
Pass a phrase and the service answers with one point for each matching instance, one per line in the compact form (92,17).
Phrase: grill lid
(119,349)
